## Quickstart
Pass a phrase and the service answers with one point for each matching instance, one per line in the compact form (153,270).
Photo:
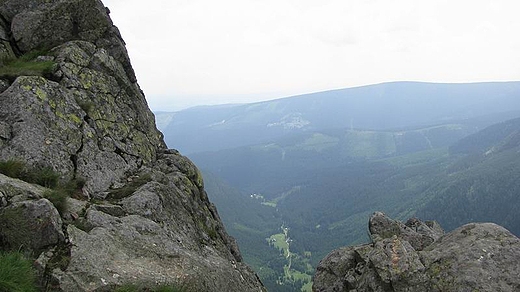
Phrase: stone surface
(474,257)
(92,123)
(416,232)
(33,225)
(143,216)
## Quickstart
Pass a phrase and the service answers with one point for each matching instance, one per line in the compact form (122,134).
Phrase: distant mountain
(386,106)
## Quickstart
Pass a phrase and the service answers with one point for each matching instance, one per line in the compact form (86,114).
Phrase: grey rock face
(474,257)
(143,216)
(419,234)
(88,124)
(36,24)
(31,224)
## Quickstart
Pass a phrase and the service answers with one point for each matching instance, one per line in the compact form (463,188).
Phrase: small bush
(16,274)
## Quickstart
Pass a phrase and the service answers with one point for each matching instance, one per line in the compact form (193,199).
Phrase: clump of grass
(26,65)
(16,274)
(44,176)
(73,187)
(130,187)
(58,198)
(12,168)
(86,105)
(143,288)
(58,195)
(212,233)
(14,225)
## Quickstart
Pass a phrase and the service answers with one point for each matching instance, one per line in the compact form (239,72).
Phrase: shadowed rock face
(416,256)
(143,216)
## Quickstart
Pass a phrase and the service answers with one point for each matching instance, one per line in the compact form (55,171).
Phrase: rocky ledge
(418,256)
(102,202)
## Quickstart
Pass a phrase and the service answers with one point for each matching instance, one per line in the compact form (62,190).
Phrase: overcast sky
(194,52)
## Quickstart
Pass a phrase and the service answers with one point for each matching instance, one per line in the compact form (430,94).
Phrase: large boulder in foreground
(415,257)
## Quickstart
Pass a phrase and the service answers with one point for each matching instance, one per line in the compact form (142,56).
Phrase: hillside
(387,106)
(324,185)
(483,182)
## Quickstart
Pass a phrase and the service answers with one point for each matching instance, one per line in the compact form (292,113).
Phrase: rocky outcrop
(142,215)
(416,256)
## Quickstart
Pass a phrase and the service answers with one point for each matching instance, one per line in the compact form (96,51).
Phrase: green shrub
(16,274)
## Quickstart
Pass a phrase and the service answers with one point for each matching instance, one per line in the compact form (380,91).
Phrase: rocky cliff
(113,205)
(418,256)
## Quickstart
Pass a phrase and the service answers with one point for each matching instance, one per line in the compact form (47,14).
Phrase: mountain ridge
(375,107)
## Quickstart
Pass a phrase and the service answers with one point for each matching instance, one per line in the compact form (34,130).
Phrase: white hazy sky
(194,52)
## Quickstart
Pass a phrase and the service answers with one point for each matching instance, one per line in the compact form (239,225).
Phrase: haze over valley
(297,177)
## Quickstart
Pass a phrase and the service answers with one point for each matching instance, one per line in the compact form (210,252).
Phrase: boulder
(416,257)
(34,225)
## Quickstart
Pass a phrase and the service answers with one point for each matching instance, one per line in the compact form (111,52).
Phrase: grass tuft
(45,177)
(12,168)
(130,187)
(25,65)
(58,198)
(16,274)
(86,105)
(143,288)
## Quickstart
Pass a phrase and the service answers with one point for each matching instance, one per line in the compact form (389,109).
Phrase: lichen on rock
(142,216)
